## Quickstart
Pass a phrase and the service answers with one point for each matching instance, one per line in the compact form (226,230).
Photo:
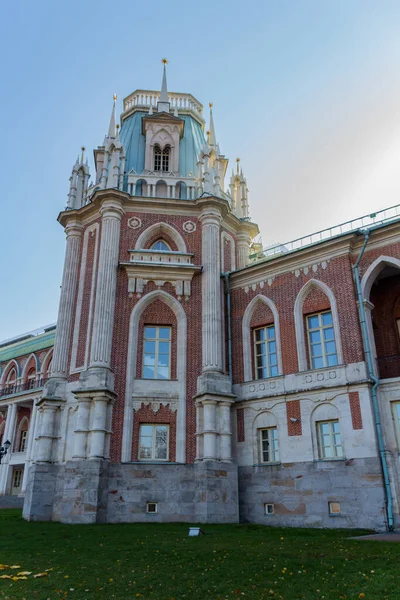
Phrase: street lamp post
(4,449)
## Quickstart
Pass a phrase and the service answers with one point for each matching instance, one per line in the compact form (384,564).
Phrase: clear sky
(305,92)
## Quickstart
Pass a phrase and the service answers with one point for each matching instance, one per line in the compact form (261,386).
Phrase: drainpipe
(375,380)
(228,310)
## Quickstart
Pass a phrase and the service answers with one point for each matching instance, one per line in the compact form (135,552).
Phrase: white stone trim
(162,228)
(299,323)
(8,368)
(264,420)
(373,271)
(247,351)
(46,361)
(94,230)
(180,368)
(225,237)
(326,411)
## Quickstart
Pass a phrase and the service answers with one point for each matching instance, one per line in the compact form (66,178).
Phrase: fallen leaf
(40,575)
(15,567)
(5,576)
(25,573)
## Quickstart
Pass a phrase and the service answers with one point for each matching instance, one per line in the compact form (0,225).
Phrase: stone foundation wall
(100,492)
(301,492)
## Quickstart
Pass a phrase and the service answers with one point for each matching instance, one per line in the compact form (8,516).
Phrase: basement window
(152,508)
(269,509)
(334,509)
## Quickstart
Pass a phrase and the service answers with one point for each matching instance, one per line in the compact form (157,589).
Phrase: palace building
(192,375)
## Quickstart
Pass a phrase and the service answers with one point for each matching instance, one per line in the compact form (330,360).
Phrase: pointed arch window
(11,382)
(161,158)
(161,245)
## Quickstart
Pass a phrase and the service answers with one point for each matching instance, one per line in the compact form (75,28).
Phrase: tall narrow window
(265,356)
(10,385)
(269,445)
(22,442)
(321,340)
(153,442)
(329,439)
(165,159)
(31,379)
(157,158)
(157,352)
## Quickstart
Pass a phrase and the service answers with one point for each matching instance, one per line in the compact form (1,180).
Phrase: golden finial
(238,160)
(83,148)
(164,61)
(115,97)
(210,105)
(117,126)
(83,153)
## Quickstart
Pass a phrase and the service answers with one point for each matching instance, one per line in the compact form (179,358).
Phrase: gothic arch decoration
(22,426)
(141,187)
(161,189)
(181,321)
(227,238)
(373,271)
(33,361)
(160,229)
(12,364)
(246,337)
(299,321)
(181,190)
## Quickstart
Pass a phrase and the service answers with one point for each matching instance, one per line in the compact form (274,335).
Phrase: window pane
(273,359)
(163,360)
(324,428)
(150,347)
(315,337)
(260,348)
(148,372)
(149,359)
(313,322)
(150,332)
(160,245)
(161,442)
(261,361)
(271,346)
(260,334)
(271,332)
(316,350)
(330,347)
(328,334)
(274,371)
(163,373)
(165,333)
(163,347)
(332,360)
(317,363)
(261,373)
(327,318)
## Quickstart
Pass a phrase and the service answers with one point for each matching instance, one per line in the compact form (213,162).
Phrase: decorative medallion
(189,226)
(134,223)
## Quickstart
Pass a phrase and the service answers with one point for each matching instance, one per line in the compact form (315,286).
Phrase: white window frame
(334,508)
(23,440)
(257,343)
(336,454)
(269,509)
(272,452)
(157,340)
(168,248)
(153,447)
(396,420)
(321,327)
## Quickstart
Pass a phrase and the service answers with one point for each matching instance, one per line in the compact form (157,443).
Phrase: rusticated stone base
(301,492)
(100,492)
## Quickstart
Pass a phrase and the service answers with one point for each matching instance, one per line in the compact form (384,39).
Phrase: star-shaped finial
(115,97)
(164,61)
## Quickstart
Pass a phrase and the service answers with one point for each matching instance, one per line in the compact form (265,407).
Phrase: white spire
(163,103)
(212,140)
(111,129)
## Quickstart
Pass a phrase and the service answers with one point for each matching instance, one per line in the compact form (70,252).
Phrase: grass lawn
(161,562)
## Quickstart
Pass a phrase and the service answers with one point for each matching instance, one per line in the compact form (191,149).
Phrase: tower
(140,377)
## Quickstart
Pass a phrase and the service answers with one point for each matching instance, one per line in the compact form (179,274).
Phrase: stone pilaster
(47,432)
(243,241)
(98,431)
(225,433)
(82,428)
(66,309)
(210,429)
(31,437)
(9,432)
(211,290)
(111,212)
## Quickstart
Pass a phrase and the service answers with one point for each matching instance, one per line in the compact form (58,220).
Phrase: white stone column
(98,429)
(103,321)
(59,364)
(199,431)
(243,250)
(225,433)
(9,431)
(82,428)
(31,437)
(211,291)
(209,431)
(46,435)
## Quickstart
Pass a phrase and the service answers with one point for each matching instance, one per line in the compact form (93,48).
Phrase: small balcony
(20,388)
(389,366)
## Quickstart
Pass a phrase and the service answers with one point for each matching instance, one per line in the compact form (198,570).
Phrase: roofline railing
(373,219)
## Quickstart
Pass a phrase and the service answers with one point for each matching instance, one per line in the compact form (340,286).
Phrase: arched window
(161,245)
(161,158)
(31,379)
(141,187)
(11,382)
(22,435)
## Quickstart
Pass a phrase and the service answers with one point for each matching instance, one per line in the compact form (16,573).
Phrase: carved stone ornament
(189,226)
(134,223)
